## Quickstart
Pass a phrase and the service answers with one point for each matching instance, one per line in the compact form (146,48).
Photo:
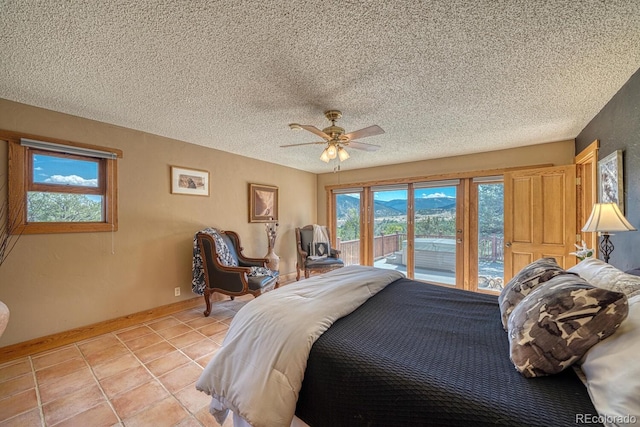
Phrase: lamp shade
(325,156)
(342,154)
(606,217)
(332,151)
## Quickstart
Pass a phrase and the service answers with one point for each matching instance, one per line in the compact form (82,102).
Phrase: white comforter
(259,370)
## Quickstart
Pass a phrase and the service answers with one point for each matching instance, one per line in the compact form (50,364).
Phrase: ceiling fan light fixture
(332,151)
(342,154)
(336,139)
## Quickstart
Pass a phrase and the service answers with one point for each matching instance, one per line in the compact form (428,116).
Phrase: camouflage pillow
(559,321)
(524,282)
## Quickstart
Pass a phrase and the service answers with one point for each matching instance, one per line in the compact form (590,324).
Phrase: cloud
(436,195)
(72,180)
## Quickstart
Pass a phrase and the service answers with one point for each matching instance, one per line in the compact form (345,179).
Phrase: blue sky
(421,192)
(60,170)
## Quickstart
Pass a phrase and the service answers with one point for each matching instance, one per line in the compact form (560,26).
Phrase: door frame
(587,192)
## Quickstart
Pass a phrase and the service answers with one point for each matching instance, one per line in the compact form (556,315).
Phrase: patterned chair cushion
(261,271)
(229,258)
(319,249)
(224,254)
(555,325)
(197,265)
(524,282)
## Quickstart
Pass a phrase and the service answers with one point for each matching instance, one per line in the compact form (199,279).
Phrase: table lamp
(606,218)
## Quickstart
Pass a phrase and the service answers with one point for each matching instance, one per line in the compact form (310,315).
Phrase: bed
(411,353)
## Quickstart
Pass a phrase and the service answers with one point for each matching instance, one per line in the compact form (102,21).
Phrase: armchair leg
(297,272)
(306,273)
(207,300)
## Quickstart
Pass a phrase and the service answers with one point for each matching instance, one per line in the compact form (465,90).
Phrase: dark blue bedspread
(417,354)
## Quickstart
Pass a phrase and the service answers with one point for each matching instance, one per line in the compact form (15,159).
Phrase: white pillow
(611,367)
(613,371)
(603,275)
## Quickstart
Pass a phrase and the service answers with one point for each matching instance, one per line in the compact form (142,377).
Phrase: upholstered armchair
(315,255)
(226,270)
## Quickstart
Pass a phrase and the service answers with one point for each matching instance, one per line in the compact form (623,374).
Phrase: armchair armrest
(252,262)
(234,270)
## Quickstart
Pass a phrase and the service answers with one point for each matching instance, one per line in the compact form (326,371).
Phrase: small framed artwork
(610,175)
(263,203)
(189,181)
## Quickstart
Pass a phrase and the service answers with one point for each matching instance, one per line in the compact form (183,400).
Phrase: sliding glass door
(437,240)
(488,233)
(449,232)
(348,208)
(388,241)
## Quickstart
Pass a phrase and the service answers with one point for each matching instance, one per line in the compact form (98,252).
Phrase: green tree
(350,229)
(491,209)
(62,207)
(389,226)
(436,225)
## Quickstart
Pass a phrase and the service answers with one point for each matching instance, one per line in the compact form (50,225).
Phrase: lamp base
(606,247)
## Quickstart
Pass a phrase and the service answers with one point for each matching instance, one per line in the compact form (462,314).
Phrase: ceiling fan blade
(363,133)
(317,131)
(363,146)
(304,143)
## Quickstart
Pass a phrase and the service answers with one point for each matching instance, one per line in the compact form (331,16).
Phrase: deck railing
(490,248)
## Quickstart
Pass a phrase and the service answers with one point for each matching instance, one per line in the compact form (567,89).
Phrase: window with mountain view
(432,247)
(65,188)
(418,228)
(490,236)
(435,244)
(348,226)
(389,239)
(62,187)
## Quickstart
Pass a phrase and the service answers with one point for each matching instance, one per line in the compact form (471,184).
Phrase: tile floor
(139,376)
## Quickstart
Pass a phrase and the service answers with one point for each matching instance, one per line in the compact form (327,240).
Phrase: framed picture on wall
(189,181)
(611,188)
(263,203)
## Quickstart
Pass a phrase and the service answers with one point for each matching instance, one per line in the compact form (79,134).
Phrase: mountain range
(396,207)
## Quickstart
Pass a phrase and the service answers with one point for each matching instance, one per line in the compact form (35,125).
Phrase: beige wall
(56,282)
(555,153)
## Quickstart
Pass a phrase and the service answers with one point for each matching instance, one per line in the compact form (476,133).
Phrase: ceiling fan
(336,139)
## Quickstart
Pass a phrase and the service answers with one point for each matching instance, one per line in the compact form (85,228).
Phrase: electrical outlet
(176,292)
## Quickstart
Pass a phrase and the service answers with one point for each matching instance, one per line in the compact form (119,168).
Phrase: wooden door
(539,216)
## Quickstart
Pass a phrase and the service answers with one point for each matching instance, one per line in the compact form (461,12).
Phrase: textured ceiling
(442,78)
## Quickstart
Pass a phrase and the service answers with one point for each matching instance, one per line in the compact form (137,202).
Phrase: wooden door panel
(553,229)
(562,259)
(520,260)
(522,210)
(540,220)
